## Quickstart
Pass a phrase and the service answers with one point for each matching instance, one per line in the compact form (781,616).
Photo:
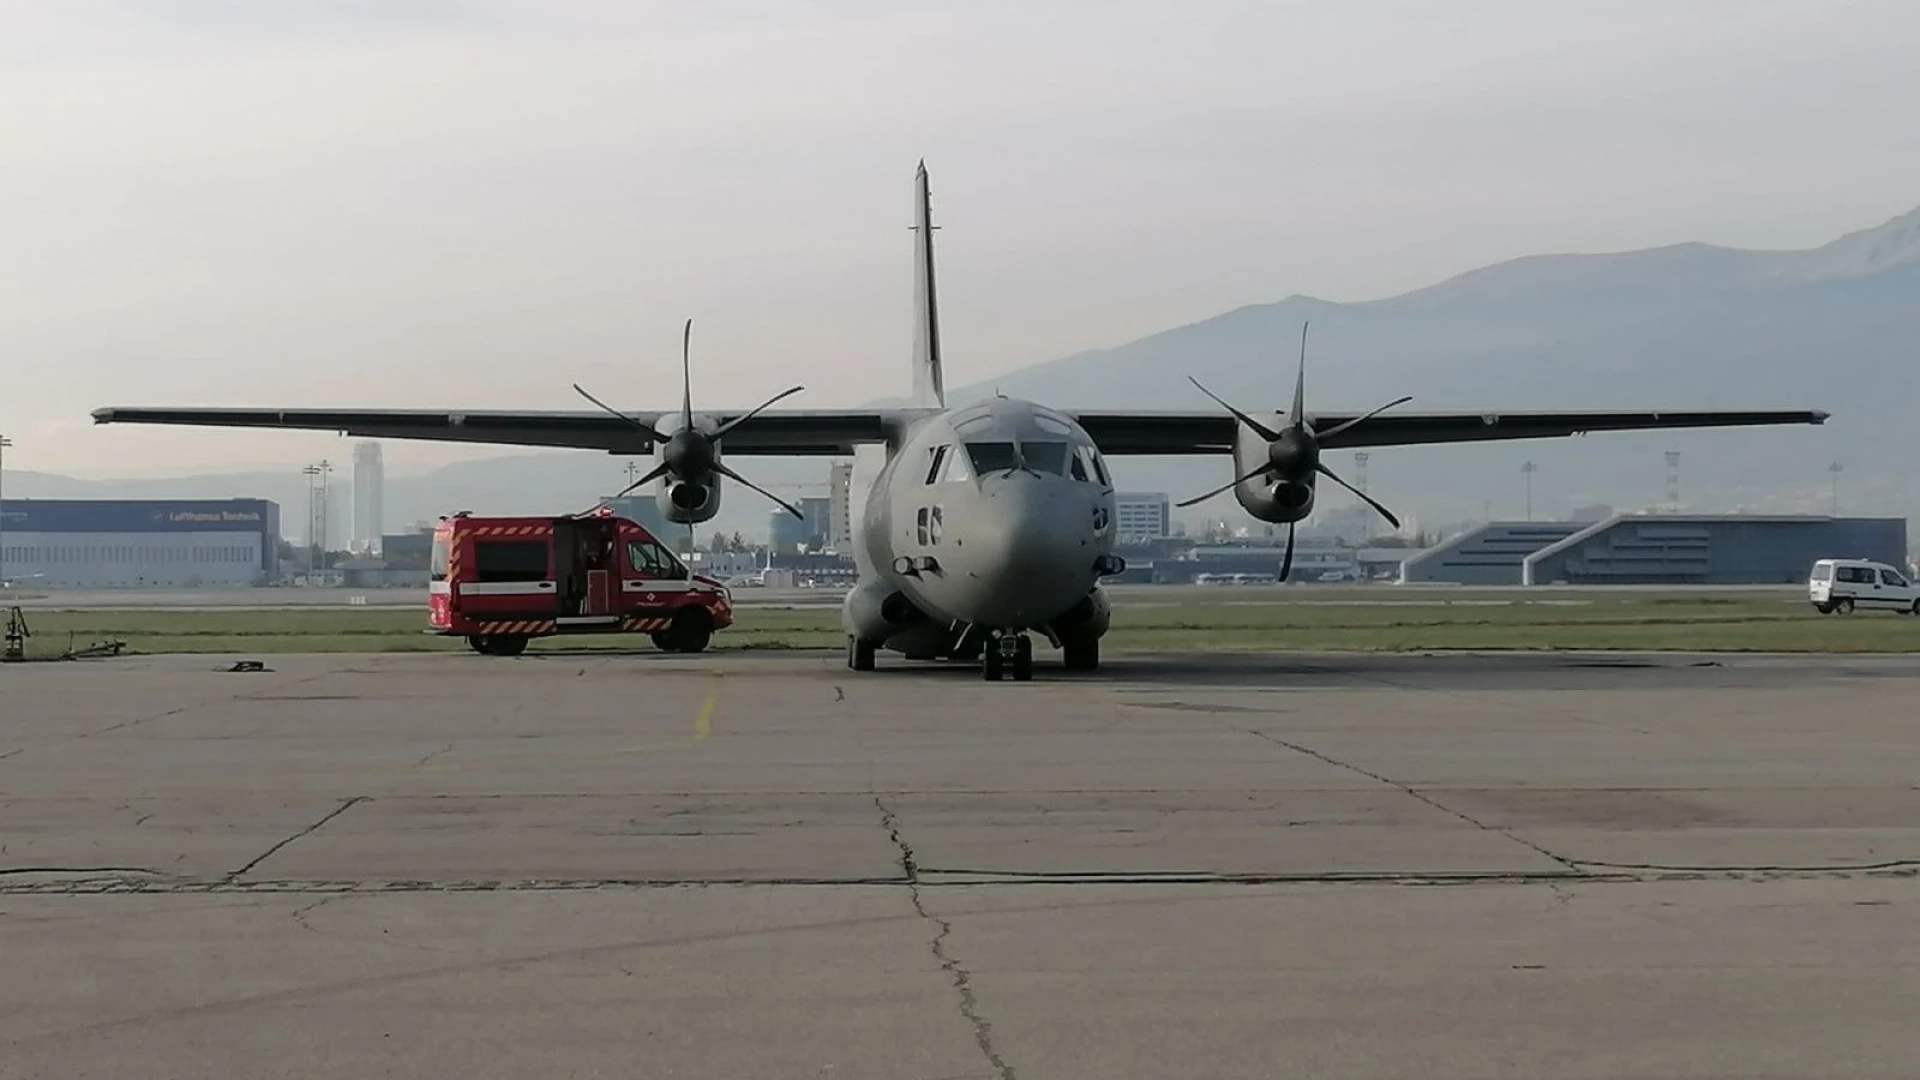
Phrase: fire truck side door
(599,543)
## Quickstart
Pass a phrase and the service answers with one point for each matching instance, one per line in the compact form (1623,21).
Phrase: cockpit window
(991,457)
(939,459)
(1046,457)
(1077,468)
(1100,468)
(952,466)
(1042,457)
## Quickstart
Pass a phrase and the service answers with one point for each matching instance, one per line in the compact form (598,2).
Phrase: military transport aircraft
(983,523)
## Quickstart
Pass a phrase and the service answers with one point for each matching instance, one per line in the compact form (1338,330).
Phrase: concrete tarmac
(749,866)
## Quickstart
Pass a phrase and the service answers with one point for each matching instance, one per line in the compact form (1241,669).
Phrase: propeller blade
(1325,435)
(1300,384)
(1256,425)
(1364,497)
(746,416)
(651,433)
(686,377)
(723,470)
(1228,486)
(1286,563)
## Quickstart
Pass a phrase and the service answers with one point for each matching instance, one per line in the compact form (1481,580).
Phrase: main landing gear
(1008,654)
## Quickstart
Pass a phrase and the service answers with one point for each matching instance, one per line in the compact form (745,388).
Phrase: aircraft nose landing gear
(1008,654)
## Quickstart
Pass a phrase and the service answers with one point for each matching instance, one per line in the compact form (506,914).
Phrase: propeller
(1293,452)
(690,455)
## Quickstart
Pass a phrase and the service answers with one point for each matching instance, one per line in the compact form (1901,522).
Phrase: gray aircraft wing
(1212,433)
(828,432)
(792,432)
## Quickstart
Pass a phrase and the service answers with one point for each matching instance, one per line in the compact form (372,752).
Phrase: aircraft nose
(1032,551)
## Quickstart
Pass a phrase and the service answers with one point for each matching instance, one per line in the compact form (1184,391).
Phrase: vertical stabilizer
(929,390)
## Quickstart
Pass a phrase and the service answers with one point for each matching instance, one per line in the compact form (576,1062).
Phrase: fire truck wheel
(691,630)
(477,643)
(507,645)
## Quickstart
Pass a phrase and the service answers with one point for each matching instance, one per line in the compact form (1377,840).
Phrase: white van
(1840,584)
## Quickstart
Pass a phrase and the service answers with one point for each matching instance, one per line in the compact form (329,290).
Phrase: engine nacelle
(1086,620)
(1279,503)
(875,612)
(689,501)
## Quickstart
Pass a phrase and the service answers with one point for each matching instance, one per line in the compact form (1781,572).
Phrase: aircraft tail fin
(929,388)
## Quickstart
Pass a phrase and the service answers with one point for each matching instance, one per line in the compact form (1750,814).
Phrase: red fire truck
(500,582)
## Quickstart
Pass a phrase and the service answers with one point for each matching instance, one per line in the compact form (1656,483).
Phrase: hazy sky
(443,203)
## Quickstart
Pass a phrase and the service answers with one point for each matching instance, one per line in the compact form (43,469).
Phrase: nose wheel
(1008,654)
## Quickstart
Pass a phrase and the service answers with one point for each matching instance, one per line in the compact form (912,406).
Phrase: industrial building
(109,543)
(369,498)
(1141,517)
(809,532)
(1660,548)
(1489,555)
(1712,550)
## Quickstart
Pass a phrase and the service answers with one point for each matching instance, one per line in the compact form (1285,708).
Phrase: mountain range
(1690,325)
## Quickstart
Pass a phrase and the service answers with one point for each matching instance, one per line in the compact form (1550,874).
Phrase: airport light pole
(313,515)
(1527,469)
(1673,480)
(326,473)
(4,443)
(1833,471)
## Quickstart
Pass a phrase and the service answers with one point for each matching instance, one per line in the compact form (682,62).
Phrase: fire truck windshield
(649,557)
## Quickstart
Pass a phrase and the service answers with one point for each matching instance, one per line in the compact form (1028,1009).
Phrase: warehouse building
(1492,554)
(1656,549)
(110,543)
(1735,549)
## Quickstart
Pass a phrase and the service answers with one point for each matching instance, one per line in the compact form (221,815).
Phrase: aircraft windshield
(1043,457)
(990,457)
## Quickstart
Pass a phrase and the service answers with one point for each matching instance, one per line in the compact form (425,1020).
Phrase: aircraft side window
(953,467)
(920,526)
(939,460)
(934,525)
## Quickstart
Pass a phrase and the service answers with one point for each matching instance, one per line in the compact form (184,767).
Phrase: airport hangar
(107,543)
(1657,548)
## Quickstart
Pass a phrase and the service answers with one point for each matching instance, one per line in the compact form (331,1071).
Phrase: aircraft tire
(859,654)
(1023,660)
(1081,655)
(991,664)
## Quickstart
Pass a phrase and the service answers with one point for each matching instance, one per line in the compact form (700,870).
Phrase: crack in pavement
(1409,789)
(308,831)
(962,978)
(447,749)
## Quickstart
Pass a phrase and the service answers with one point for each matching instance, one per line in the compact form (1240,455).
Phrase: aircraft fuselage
(990,518)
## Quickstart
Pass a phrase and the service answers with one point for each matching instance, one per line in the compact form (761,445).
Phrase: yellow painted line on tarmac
(703,726)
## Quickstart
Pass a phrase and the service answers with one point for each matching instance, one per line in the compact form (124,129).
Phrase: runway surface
(752,866)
